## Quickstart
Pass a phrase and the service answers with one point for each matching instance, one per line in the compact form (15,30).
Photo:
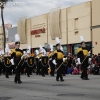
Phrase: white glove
(90,59)
(22,57)
(64,59)
(12,61)
(89,52)
(50,59)
(54,62)
(40,60)
(43,55)
(79,60)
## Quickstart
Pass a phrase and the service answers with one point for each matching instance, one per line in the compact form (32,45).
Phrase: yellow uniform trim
(18,53)
(85,52)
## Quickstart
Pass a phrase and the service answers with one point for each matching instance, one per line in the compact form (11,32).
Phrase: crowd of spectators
(93,65)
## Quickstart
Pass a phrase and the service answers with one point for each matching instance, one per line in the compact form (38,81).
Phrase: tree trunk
(3,27)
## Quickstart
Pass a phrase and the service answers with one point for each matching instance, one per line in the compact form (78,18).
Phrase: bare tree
(2,4)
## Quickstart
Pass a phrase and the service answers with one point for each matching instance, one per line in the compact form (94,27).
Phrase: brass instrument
(2,58)
(25,57)
(39,56)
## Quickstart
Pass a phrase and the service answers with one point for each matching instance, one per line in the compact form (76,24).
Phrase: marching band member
(37,62)
(28,62)
(17,55)
(64,63)
(50,55)
(7,58)
(42,67)
(43,60)
(58,59)
(32,55)
(2,59)
(83,59)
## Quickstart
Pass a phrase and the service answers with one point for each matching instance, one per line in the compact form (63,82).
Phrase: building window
(76,32)
(54,48)
(76,24)
(65,50)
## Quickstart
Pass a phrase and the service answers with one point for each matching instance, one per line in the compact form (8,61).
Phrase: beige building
(68,24)
(7,26)
(96,26)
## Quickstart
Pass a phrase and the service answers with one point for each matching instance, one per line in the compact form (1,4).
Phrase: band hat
(17,39)
(24,52)
(57,41)
(37,52)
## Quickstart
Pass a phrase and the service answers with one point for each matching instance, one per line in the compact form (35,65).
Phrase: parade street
(47,88)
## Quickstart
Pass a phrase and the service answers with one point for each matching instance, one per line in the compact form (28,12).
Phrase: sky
(17,9)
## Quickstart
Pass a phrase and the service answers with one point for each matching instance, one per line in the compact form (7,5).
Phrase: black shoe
(86,79)
(43,75)
(28,75)
(62,80)
(7,77)
(57,79)
(52,75)
(19,82)
(15,81)
(82,78)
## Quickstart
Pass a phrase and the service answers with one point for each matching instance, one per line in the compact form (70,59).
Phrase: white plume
(29,47)
(9,51)
(37,52)
(7,48)
(41,47)
(2,52)
(51,47)
(17,38)
(81,38)
(61,48)
(57,40)
(44,52)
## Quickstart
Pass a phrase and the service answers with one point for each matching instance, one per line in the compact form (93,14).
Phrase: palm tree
(2,4)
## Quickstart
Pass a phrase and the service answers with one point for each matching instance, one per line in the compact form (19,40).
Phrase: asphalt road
(47,88)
